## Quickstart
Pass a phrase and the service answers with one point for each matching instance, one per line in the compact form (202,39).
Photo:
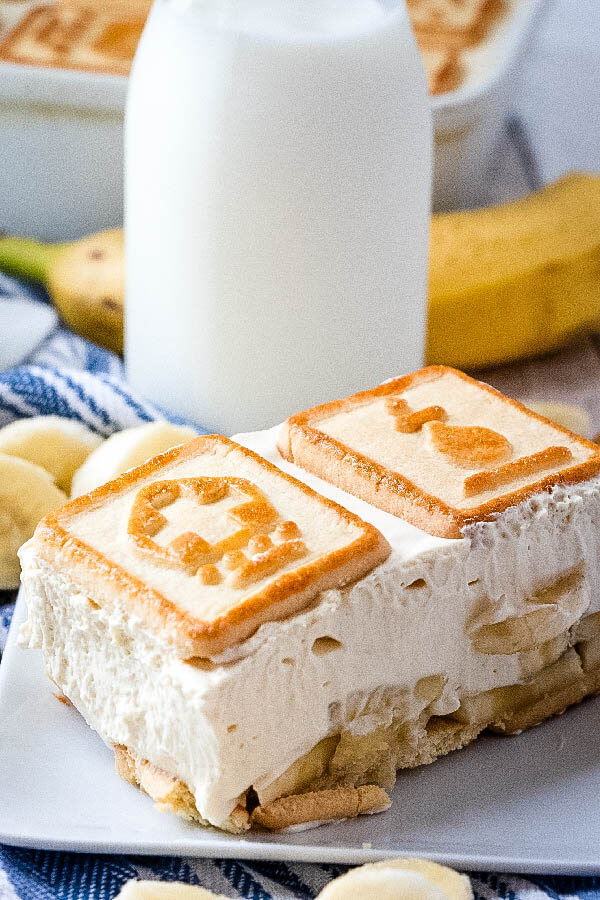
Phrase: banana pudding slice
(264,648)
(143,594)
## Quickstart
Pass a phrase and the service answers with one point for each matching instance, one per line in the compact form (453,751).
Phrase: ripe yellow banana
(515,280)
(84,279)
(506,282)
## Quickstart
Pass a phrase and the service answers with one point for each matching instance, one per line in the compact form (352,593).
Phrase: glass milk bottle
(278,169)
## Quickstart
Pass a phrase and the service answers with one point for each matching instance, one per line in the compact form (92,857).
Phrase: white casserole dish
(467,120)
(61,135)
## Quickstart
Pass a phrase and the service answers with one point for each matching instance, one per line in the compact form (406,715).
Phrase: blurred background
(514,95)
(514,88)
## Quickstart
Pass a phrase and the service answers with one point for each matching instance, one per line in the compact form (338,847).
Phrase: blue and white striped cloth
(71,377)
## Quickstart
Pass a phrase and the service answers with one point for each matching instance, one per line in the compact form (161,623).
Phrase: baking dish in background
(61,132)
(467,120)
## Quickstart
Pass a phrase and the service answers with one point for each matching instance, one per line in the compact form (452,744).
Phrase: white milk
(278,168)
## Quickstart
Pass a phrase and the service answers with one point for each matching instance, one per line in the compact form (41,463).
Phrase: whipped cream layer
(350,661)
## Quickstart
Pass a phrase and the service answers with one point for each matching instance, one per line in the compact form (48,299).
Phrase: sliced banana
(574,418)
(125,450)
(27,493)
(491,707)
(165,890)
(399,879)
(395,879)
(301,773)
(56,444)
(559,606)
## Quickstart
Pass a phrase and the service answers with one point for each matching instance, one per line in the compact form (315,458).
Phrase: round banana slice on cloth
(574,418)
(125,450)
(399,879)
(56,444)
(165,890)
(27,493)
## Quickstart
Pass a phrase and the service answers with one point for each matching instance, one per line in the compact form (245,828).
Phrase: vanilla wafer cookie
(436,448)
(207,542)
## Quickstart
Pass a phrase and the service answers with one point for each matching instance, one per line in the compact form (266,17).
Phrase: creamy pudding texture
(352,662)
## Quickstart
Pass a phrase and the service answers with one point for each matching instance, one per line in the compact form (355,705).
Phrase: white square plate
(525,804)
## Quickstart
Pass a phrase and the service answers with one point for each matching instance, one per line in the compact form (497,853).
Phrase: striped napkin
(68,376)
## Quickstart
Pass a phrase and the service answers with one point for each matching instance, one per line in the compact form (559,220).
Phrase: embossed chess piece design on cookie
(408,420)
(457,451)
(469,446)
(217,541)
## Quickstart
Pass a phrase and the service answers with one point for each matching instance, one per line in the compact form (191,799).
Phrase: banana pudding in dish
(452,34)
(86,35)
(83,35)
(264,641)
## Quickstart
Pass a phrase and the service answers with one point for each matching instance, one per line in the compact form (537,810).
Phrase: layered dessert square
(137,589)
(264,641)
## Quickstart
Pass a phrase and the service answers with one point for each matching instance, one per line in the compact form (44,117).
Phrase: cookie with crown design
(207,542)
(436,448)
